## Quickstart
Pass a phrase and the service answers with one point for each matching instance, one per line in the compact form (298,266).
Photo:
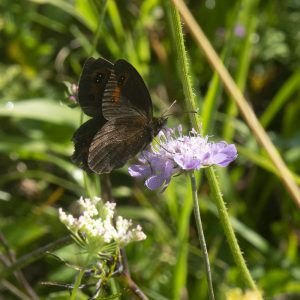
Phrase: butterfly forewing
(92,83)
(114,104)
(126,93)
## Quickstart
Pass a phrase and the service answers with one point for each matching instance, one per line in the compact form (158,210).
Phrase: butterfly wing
(116,142)
(126,94)
(82,140)
(92,83)
(118,94)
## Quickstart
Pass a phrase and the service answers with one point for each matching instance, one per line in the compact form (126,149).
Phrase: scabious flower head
(176,152)
(95,230)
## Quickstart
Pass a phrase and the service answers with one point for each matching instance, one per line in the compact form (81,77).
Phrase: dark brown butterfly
(122,122)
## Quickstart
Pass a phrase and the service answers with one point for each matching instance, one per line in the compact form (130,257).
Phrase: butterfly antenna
(164,114)
(196,111)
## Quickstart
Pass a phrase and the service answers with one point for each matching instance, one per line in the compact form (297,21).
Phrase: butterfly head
(157,125)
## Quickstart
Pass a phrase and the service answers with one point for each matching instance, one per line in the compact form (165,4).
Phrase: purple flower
(175,152)
(239,30)
(72,92)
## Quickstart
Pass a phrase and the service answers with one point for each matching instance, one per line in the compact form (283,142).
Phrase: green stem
(214,185)
(201,236)
(231,238)
(77,284)
(183,65)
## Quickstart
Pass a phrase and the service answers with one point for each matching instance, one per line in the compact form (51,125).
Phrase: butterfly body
(122,123)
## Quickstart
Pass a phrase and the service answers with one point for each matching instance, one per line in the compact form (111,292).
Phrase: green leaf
(45,110)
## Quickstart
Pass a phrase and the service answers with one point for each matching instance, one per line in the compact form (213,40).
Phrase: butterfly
(122,123)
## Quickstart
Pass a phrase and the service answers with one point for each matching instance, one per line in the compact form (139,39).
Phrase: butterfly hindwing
(116,142)
(82,140)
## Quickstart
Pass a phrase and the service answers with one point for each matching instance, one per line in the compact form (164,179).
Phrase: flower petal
(139,171)
(187,162)
(154,182)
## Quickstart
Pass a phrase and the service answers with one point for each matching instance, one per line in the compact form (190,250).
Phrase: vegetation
(45,43)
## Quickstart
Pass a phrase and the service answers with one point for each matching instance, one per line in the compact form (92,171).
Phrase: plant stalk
(77,284)
(230,236)
(201,236)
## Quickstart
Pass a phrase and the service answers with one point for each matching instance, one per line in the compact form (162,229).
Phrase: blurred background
(44,43)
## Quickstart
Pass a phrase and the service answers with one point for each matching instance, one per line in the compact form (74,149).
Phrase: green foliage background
(45,42)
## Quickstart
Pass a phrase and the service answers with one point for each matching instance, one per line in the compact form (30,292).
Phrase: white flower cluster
(96,224)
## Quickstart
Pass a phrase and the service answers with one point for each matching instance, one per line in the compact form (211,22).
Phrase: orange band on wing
(117,94)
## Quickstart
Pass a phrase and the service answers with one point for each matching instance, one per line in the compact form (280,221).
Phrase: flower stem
(183,64)
(77,284)
(132,286)
(191,104)
(231,238)
(190,99)
(201,236)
